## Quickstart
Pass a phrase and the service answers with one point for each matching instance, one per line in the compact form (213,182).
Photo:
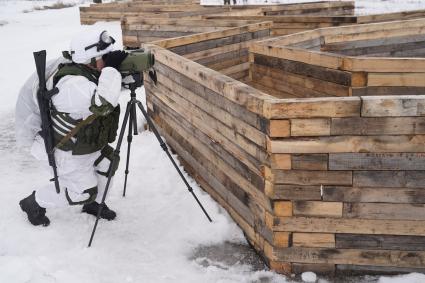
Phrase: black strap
(92,197)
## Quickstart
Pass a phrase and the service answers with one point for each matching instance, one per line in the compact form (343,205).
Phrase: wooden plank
(371,270)
(397,91)
(296,67)
(392,211)
(389,179)
(396,79)
(171,28)
(309,162)
(341,144)
(129,21)
(236,69)
(279,128)
(376,34)
(414,259)
(394,106)
(313,240)
(282,208)
(185,40)
(386,49)
(317,58)
(351,226)
(321,269)
(317,209)
(283,87)
(295,192)
(377,161)
(390,16)
(280,161)
(310,127)
(268,89)
(281,239)
(219,58)
(373,195)
(384,64)
(218,50)
(308,86)
(315,108)
(378,126)
(303,177)
(228,63)
(380,242)
(198,46)
(408,53)
(363,45)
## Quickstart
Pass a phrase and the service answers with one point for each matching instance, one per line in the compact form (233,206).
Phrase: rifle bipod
(130,117)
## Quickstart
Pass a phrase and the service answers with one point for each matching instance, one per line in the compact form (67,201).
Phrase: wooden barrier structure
(313,142)
(138,30)
(189,10)
(324,168)
(285,22)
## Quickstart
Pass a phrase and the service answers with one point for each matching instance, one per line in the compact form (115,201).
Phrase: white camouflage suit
(77,173)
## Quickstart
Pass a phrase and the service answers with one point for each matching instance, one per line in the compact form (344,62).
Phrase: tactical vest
(92,137)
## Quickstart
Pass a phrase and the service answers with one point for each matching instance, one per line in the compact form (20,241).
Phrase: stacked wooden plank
(138,30)
(188,10)
(347,173)
(116,11)
(346,61)
(337,14)
(223,50)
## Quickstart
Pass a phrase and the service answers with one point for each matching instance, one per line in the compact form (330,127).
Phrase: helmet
(90,44)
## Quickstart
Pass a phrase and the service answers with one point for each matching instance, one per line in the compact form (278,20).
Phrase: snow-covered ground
(160,235)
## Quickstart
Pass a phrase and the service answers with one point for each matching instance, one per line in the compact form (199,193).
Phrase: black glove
(115,58)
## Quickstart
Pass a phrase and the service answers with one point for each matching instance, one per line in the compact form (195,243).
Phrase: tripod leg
(129,140)
(112,165)
(133,119)
(165,148)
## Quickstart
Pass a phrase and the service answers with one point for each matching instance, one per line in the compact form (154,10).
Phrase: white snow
(410,278)
(309,277)
(159,224)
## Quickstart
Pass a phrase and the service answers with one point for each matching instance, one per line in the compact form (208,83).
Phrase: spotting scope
(137,61)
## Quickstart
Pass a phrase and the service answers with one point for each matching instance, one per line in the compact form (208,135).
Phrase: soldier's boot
(36,214)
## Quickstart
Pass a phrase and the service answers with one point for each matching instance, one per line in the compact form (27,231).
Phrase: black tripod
(130,114)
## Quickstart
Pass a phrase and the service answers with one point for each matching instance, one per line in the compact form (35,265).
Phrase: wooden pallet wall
(346,174)
(347,179)
(346,61)
(138,30)
(95,13)
(225,51)
(286,23)
(327,184)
